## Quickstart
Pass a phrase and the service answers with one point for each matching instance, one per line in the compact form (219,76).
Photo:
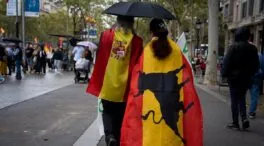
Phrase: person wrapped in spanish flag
(163,108)
(119,50)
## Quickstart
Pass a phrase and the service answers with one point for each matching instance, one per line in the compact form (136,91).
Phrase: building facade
(50,6)
(238,13)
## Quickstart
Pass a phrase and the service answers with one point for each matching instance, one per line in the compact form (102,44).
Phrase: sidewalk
(57,118)
(224,91)
(14,91)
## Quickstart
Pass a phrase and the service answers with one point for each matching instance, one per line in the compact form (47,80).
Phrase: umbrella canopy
(13,40)
(140,9)
(91,45)
(61,35)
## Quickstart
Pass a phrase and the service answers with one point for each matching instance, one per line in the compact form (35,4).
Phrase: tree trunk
(211,69)
(74,22)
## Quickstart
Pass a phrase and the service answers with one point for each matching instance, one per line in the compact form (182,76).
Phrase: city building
(50,6)
(238,13)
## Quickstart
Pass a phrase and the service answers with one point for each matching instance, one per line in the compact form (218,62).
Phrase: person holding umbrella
(163,108)
(119,50)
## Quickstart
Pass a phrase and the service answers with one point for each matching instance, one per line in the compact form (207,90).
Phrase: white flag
(182,42)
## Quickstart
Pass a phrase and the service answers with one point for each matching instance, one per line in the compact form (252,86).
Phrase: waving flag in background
(182,42)
(163,108)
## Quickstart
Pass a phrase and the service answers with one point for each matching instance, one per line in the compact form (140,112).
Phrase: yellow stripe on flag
(116,75)
(160,134)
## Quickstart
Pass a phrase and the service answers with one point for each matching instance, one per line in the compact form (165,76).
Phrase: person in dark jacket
(18,61)
(58,57)
(41,60)
(29,57)
(240,64)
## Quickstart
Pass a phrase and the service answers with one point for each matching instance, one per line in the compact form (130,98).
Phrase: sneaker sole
(112,143)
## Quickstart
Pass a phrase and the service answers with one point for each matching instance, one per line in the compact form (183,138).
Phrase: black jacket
(241,61)
(58,55)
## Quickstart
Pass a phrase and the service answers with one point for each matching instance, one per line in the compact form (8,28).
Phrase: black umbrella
(139,9)
(13,40)
(61,35)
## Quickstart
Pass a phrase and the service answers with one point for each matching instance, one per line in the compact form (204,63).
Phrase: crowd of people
(38,59)
(199,65)
(11,58)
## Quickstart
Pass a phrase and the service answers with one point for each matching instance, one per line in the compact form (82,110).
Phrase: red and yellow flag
(117,55)
(163,108)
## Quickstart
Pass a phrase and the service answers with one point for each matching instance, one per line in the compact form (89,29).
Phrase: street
(62,114)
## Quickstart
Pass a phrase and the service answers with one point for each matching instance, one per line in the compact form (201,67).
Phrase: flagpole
(17,21)
(23,26)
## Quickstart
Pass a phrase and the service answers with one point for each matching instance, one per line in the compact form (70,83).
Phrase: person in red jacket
(118,52)
(203,66)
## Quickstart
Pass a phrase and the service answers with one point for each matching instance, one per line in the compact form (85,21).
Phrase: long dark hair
(161,46)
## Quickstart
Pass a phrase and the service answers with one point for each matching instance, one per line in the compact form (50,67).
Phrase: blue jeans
(18,68)
(255,93)
(30,61)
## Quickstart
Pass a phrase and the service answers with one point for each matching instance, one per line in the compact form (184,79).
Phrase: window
(261,5)
(251,8)
(226,10)
(244,9)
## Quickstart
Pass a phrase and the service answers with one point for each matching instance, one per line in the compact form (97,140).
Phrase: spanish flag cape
(163,108)
(117,55)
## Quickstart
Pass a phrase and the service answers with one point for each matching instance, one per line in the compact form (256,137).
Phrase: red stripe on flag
(103,54)
(132,129)
(193,119)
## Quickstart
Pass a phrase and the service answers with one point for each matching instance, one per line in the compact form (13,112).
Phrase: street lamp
(198,25)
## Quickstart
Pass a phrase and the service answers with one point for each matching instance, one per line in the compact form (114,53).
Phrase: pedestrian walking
(10,60)
(240,64)
(18,54)
(3,61)
(50,61)
(57,57)
(41,60)
(119,50)
(77,53)
(29,57)
(162,87)
(255,89)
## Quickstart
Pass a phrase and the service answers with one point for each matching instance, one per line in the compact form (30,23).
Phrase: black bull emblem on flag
(166,89)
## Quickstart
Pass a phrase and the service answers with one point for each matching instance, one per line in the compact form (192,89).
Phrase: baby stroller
(82,70)
(81,75)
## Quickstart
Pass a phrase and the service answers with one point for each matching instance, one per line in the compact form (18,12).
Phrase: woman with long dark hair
(163,108)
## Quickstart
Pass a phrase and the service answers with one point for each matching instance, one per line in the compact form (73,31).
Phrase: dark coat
(58,55)
(241,61)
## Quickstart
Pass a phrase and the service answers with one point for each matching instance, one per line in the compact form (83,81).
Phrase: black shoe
(112,142)
(252,115)
(245,124)
(233,126)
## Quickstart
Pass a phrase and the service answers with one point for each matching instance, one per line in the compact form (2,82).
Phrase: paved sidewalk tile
(224,91)
(14,91)
(57,118)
